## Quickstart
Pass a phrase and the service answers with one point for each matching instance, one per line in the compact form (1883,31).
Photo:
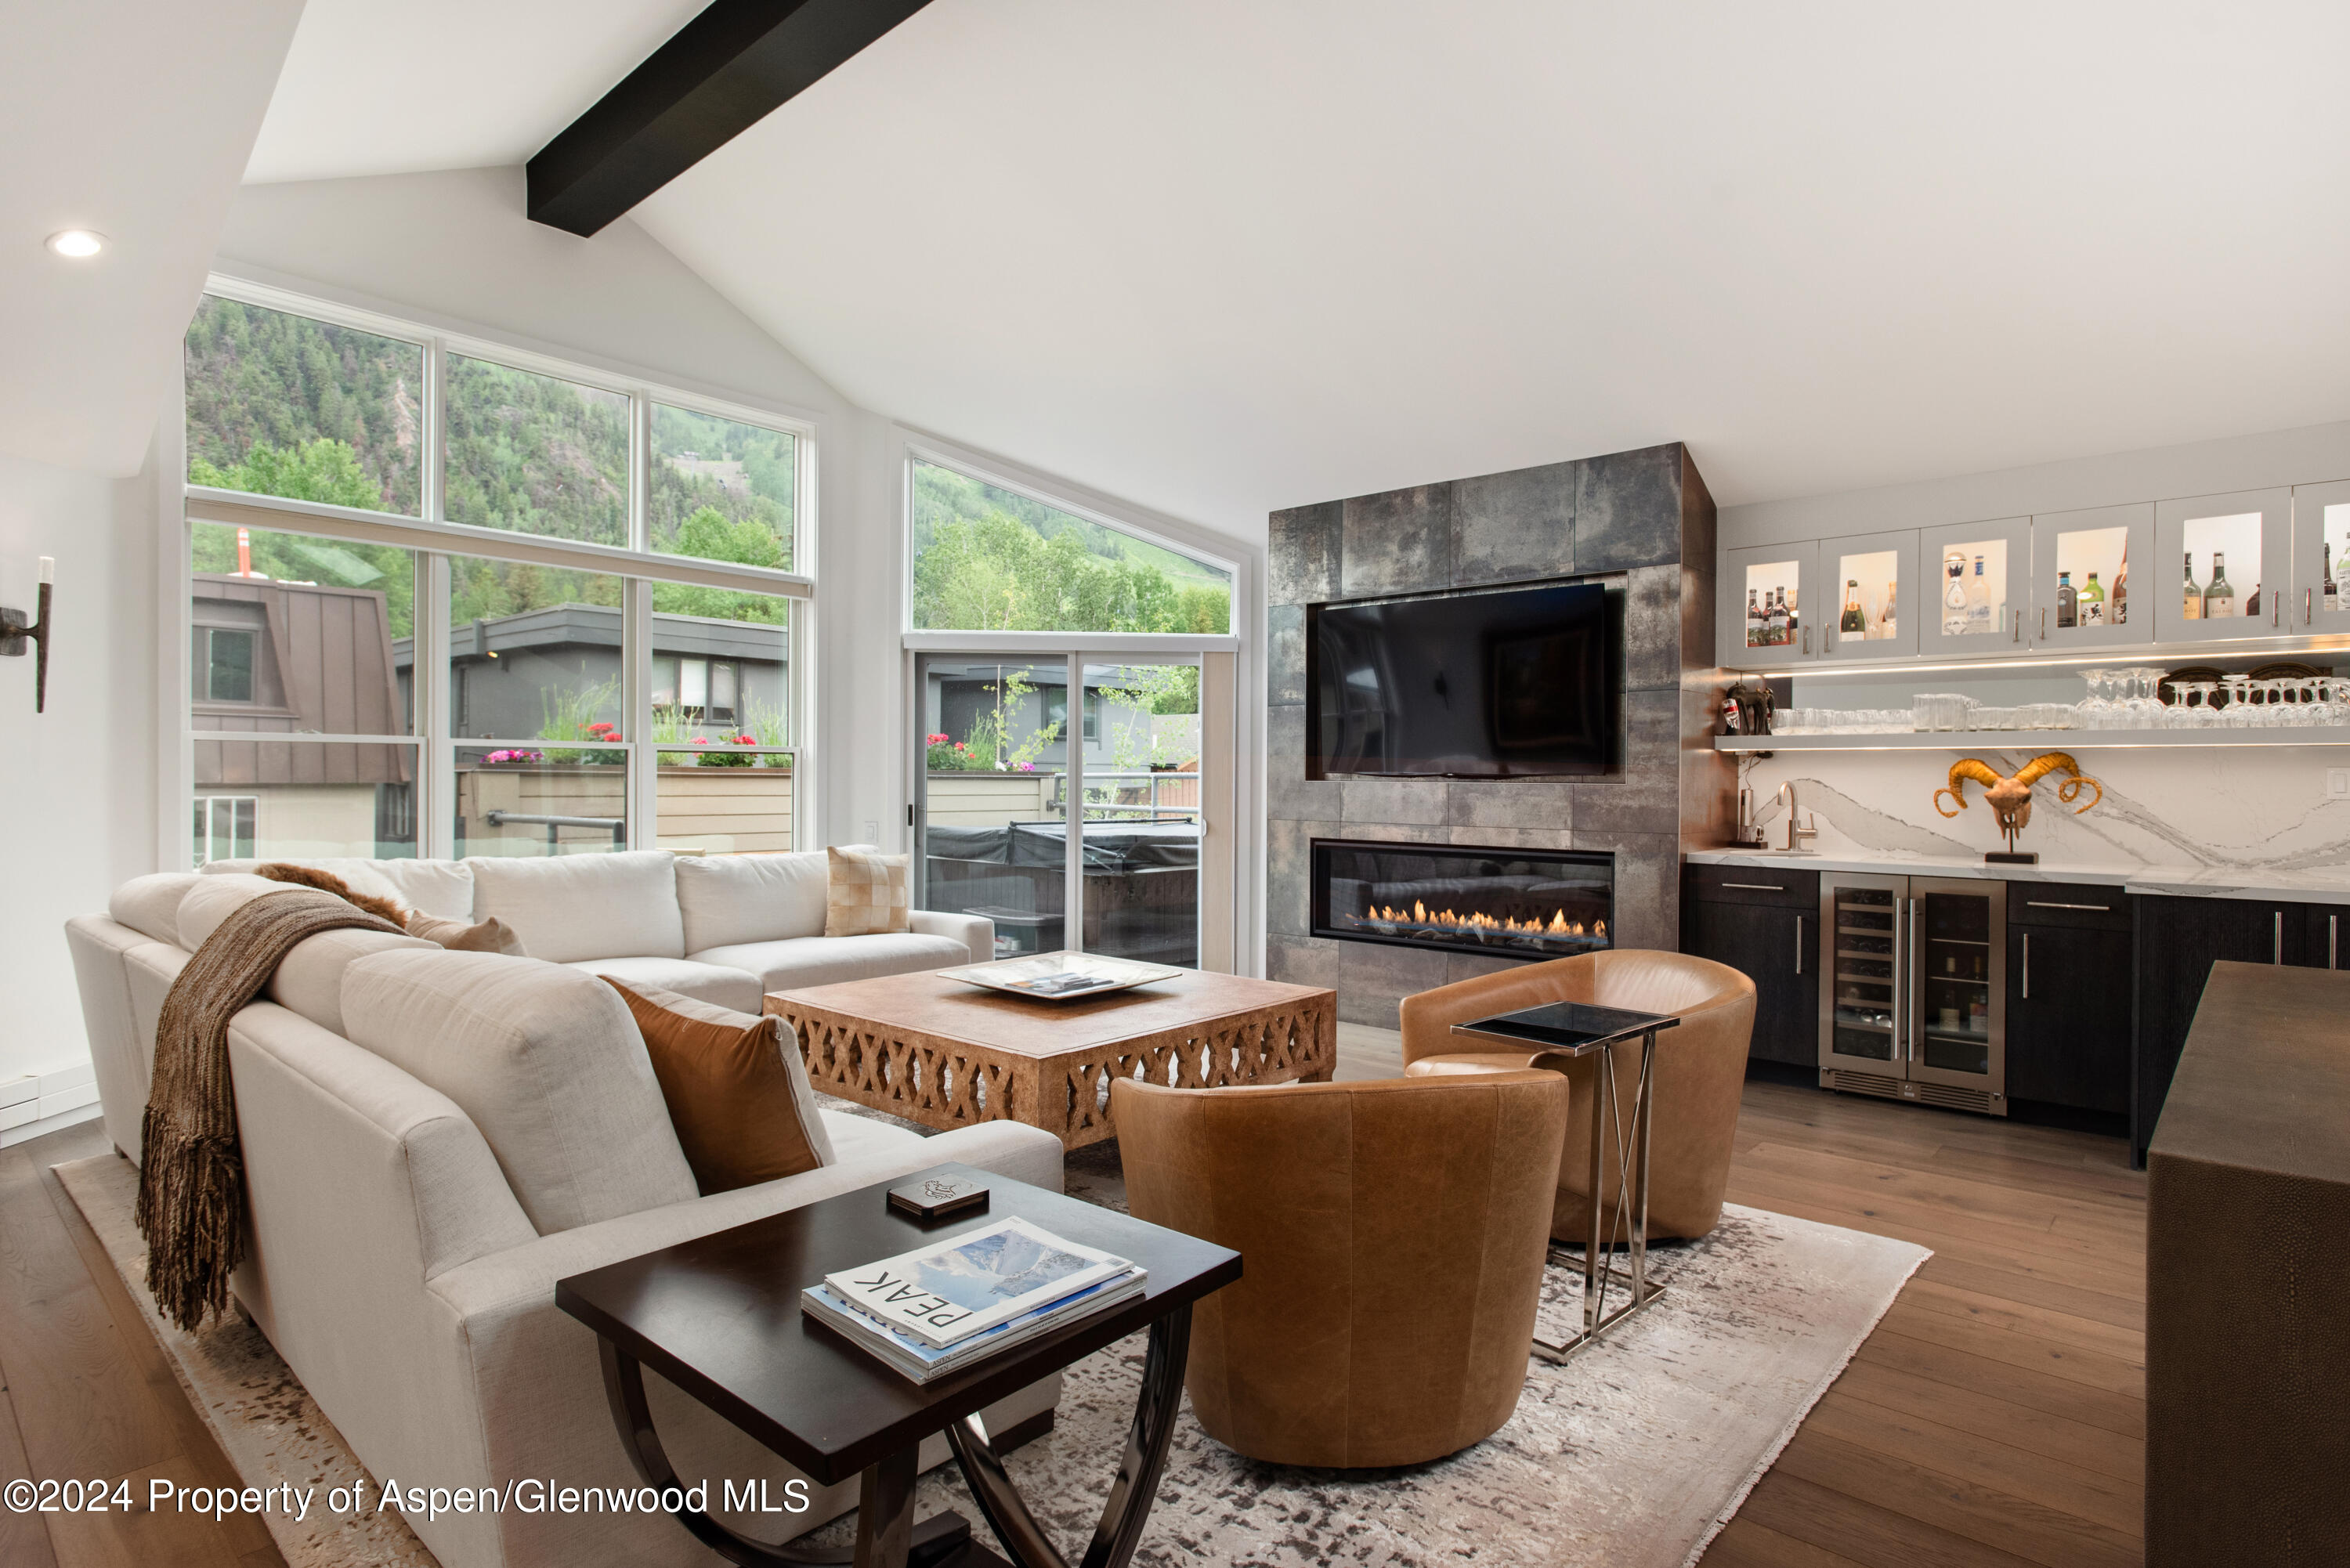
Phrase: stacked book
(937,1309)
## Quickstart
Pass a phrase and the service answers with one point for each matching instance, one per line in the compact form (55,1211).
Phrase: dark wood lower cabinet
(1778,950)
(2068,1016)
(2179,941)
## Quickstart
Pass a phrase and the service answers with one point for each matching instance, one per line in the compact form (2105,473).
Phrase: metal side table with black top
(1563,1031)
(721,1318)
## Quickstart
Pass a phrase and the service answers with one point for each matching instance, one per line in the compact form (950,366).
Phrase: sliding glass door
(1052,783)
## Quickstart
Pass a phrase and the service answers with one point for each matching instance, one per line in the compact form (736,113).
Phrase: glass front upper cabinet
(2320,600)
(2224,567)
(1978,578)
(1764,605)
(2089,578)
(1873,581)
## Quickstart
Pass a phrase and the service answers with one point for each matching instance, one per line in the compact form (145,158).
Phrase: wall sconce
(16,632)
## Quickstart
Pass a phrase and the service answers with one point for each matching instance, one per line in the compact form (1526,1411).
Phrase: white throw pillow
(571,906)
(548,1063)
(732,899)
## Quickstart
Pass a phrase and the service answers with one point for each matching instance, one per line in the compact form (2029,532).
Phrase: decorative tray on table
(1061,976)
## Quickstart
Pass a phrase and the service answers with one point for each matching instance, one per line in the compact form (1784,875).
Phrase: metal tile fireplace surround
(1495,903)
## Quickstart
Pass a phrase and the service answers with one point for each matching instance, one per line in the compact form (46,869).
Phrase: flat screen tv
(1516,683)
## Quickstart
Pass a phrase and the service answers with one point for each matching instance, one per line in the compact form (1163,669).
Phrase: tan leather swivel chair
(1392,1236)
(1700,1071)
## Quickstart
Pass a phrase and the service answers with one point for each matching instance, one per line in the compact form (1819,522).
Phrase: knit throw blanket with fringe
(191,1177)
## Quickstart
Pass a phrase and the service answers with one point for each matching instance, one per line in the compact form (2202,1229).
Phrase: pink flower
(701,740)
(747,739)
(937,740)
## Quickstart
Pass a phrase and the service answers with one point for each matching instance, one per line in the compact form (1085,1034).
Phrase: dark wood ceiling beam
(723,72)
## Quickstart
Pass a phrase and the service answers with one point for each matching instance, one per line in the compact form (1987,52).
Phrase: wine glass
(2240,710)
(2093,707)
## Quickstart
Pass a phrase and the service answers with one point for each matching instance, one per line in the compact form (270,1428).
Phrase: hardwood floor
(1995,1418)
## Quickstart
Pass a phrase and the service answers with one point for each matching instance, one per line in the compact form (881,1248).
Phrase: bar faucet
(1786,796)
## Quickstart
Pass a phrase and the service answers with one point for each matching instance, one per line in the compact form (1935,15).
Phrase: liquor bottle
(1787,598)
(1980,617)
(1753,619)
(2067,601)
(1958,614)
(2194,607)
(2120,607)
(2219,598)
(1884,618)
(2252,605)
(1774,618)
(2330,593)
(1853,621)
(2090,603)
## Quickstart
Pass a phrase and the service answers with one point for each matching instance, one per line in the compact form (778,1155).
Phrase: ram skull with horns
(2010,798)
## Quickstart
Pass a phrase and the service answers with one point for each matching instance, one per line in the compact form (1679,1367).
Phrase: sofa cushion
(799,961)
(714,983)
(442,887)
(738,1095)
(732,899)
(489,936)
(567,907)
(212,899)
(150,905)
(856,1139)
(867,894)
(547,1062)
(309,980)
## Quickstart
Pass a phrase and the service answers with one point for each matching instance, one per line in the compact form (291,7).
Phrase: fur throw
(327,882)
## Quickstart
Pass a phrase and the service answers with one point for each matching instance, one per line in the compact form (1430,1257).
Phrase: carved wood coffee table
(947,1055)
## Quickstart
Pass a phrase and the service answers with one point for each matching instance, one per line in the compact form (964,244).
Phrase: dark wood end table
(1560,1033)
(721,1318)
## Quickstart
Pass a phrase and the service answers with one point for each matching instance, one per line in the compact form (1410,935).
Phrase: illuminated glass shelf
(2037,739)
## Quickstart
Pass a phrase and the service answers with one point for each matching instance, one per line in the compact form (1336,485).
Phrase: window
(312,651)
(990,559)
(281,404)
(225,827)
(721,489)
(536,454)
(228,665)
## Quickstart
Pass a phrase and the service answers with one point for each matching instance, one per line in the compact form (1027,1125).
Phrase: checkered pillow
(867,894)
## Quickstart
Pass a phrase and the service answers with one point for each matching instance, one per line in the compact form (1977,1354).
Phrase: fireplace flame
(1475,923)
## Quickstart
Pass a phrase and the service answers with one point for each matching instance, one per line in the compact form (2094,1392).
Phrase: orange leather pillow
(738,1095)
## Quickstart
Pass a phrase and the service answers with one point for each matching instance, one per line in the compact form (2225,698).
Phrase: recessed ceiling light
(77,242)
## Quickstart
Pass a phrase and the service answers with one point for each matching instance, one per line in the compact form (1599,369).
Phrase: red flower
(747,739)
(600,728)
(701,740)
(937,740)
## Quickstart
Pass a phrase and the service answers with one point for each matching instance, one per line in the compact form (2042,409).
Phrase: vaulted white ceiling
(1226,255)
(132,118)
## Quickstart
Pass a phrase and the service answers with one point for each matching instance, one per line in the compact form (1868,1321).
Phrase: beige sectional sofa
(432,1138)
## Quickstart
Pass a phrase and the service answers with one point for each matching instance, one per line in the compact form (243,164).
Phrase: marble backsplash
(2252,809)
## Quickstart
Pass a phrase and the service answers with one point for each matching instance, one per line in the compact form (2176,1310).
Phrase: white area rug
(1632,1455)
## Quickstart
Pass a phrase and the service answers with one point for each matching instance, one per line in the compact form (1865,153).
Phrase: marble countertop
(2329,885)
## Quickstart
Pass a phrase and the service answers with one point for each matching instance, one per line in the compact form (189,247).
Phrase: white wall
(78,783)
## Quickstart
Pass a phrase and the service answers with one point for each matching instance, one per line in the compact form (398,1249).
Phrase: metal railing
(1130,811)
(617,826)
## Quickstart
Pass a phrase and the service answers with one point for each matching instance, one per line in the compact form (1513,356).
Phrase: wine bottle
(2091,603)
(2252,605)
(1884,618)
(1854,622)
(1957,613)
(2120,607)
(2332,596)
(1753,619)
(2219,598)
(1787,598)
(2194,607)
(2067,601)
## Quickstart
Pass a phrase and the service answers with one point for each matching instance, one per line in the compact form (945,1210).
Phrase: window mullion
(437,797)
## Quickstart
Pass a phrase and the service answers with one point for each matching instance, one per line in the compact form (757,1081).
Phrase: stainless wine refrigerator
(1915,1004)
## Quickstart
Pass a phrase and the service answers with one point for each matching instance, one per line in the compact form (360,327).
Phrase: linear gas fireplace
(1498,903)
